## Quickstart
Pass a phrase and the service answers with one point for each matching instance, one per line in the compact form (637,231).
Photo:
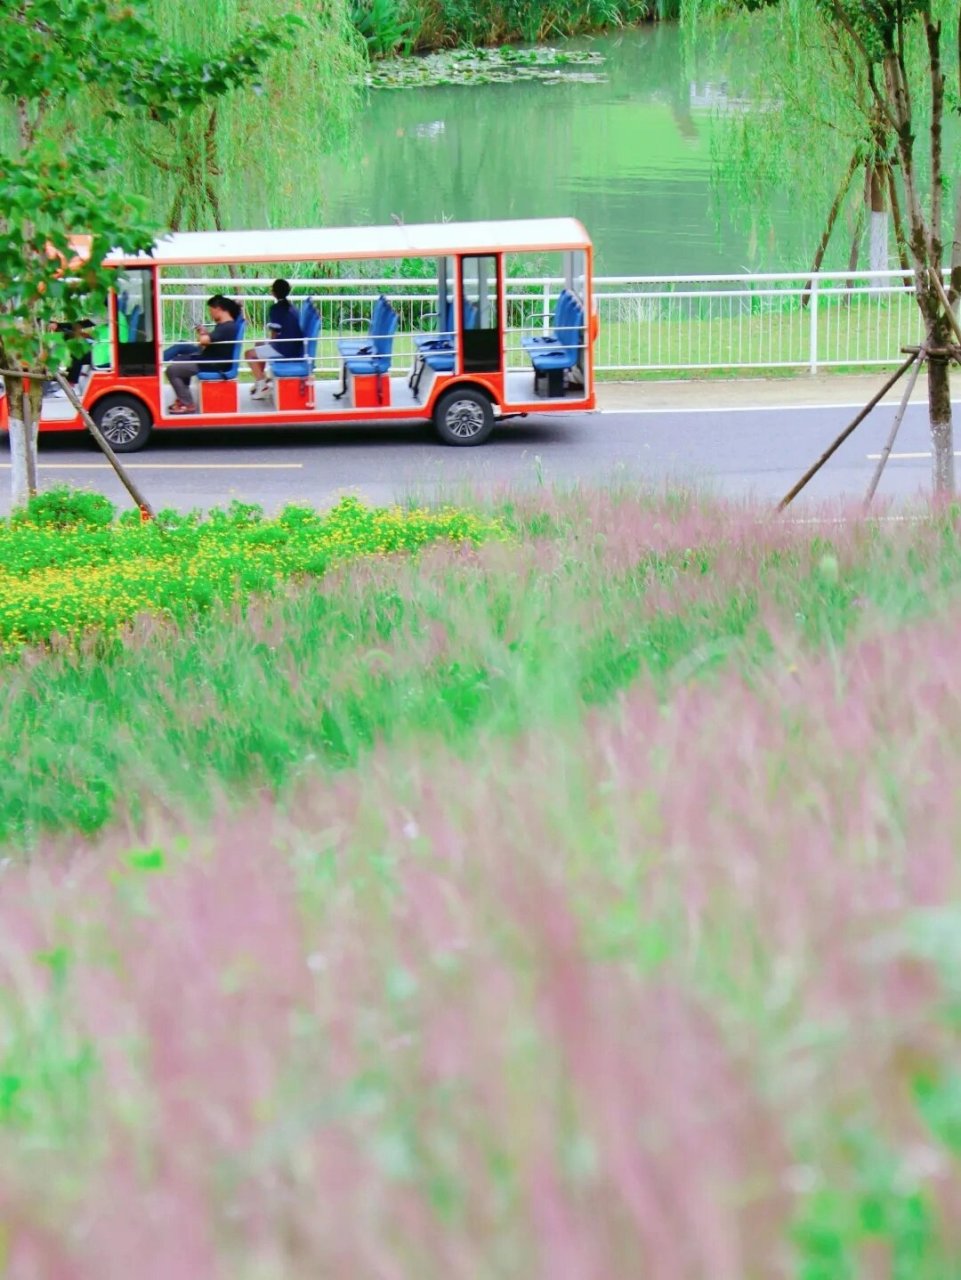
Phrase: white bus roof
(425,240)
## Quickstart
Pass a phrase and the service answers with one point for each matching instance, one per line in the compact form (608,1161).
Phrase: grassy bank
(392,26)
(584,894)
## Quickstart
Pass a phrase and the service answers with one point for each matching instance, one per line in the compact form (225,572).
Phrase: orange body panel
(218,397)
(293,394)
(368,391)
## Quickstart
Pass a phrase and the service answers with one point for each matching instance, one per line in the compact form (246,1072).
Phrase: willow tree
(875,80)
(59,176)
(256,157)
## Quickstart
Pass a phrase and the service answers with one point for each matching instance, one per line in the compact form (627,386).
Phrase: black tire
(124,422)
(463,416)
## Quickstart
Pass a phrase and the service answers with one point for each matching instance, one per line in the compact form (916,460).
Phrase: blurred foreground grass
(583,903)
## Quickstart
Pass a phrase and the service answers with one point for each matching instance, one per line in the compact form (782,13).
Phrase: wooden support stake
(146,510)
(895,427)
(833,448)
(952,318)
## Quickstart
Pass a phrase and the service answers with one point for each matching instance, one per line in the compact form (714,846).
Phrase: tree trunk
(879,223)
(829,225)
(855,250)
(942,435)
(23,441)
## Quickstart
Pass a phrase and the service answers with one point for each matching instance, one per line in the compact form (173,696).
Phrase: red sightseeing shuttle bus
(463,357)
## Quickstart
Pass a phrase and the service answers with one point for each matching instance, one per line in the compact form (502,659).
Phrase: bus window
(136,346)
(480,328)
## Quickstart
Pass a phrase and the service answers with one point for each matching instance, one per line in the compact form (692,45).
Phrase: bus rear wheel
(124,422)
(464,416)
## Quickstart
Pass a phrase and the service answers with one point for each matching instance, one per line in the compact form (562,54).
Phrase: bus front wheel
(464,416)
(124,422)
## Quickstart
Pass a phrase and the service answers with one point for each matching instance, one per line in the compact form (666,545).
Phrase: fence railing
(647,323)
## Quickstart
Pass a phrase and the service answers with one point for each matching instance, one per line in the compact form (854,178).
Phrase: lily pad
(488,66)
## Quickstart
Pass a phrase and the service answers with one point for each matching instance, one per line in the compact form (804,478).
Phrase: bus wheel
(124,422)
(464,416)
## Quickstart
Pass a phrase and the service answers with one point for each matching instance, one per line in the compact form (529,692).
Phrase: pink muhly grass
(609,997)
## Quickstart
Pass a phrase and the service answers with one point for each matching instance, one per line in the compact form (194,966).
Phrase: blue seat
(565,307)
(230,373)
(444,336)
(438,353)
(310,321)
(379,319)
(375,355)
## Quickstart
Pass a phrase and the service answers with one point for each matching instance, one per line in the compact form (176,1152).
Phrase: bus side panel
(492,383)
(99,386)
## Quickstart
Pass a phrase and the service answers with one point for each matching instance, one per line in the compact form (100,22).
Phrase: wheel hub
(120,425)
(465,418)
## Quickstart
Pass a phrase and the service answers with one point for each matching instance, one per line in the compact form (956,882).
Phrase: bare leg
(257,367)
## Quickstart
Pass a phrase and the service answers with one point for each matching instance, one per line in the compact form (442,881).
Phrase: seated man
(286,339)
(214,350)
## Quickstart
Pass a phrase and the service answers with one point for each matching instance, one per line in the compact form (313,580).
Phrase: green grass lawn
(858,338)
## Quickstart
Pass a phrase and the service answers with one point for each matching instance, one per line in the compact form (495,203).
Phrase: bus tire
(124,422)
(463,416)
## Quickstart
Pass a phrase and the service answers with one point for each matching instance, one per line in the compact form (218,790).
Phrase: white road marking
(761,408)
(167,466)
(875,457)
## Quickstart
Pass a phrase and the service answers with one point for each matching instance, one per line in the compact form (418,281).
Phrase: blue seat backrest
(564,300)
(232,369)
(471,314)
(380,318)
(382,336)
(310,322)
(445,317)
(569,331)
(133,324)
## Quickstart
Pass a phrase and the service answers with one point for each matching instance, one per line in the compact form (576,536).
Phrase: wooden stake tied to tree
(891,70)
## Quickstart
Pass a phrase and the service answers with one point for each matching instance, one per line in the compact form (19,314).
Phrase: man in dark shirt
(214,350)
(286,338)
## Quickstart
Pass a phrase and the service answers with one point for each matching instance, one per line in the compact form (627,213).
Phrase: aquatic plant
(474,66)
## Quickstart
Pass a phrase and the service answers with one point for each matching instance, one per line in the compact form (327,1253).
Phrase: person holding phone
(213,350)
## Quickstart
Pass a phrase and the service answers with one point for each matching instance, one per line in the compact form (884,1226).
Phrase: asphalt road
(737,452)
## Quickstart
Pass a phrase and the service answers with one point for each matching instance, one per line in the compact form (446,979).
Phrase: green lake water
(630,155)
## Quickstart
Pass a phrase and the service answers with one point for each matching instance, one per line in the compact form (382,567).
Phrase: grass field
(712,338)
(574,898)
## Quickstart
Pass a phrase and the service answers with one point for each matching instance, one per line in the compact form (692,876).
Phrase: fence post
(547,306)
(813,307)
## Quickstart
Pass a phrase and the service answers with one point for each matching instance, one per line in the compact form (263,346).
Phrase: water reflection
(630,156)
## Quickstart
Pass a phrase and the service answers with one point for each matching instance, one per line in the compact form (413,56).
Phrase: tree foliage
(886,74)
(70,69)
(256,157)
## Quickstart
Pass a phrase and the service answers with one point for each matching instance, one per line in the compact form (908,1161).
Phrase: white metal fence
(647,323)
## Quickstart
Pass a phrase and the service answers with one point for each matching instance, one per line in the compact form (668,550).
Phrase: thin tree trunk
(898,224)
(829,225)
(942,433)
(855,249)
(19,488)
(23,442)
(878,254)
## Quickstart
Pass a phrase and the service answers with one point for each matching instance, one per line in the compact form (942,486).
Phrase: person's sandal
(180,407)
